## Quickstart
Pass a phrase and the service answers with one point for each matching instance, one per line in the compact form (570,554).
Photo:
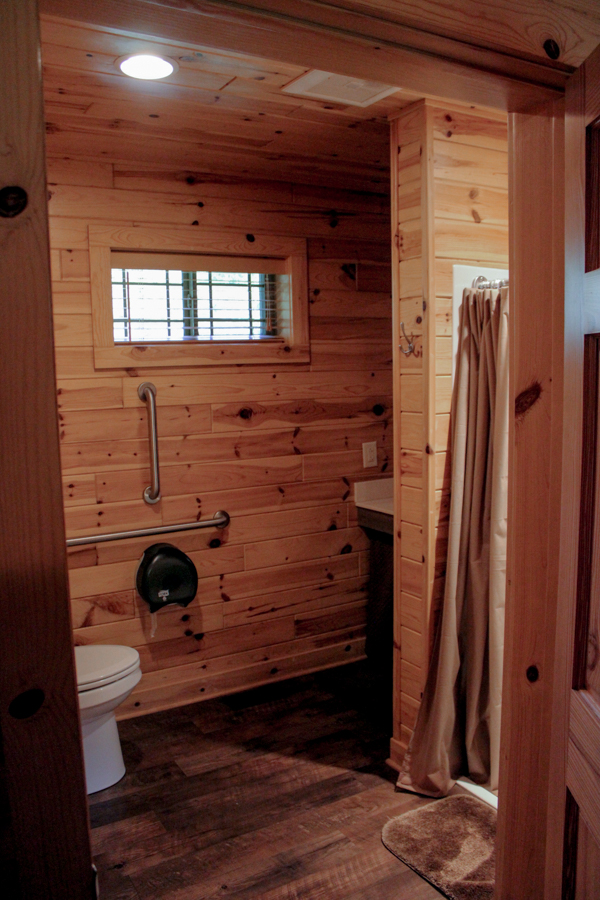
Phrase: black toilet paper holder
(166,576)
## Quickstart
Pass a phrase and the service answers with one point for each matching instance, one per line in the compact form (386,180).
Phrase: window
(174,306)
(153,300)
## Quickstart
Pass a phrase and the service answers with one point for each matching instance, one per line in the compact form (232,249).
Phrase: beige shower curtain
(458,726)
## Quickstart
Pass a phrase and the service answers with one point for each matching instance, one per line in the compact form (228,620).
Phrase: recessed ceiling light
(146,66)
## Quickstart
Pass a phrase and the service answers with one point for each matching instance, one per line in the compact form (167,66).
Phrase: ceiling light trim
(152,58)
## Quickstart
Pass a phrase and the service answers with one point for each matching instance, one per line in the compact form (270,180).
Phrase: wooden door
(44,841)
(578,640)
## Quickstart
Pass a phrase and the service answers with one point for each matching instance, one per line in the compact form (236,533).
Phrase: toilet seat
(106,676)
(98,665)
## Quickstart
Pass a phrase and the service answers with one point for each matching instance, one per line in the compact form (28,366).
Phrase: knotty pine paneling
(450,207)
(282,590)
(189,683)
(121,205)
(220,120)
(97,456)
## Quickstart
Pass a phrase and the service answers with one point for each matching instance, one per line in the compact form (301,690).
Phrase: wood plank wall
(283,589)
(450,206)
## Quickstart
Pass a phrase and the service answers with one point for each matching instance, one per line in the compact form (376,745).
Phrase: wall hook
(409,341)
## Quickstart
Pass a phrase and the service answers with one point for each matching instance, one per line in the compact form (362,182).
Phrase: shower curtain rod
(481,283)
(219,520)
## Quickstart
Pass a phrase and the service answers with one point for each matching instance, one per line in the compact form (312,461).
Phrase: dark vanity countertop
(375,519)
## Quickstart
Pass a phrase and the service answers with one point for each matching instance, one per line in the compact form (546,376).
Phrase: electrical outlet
(369,454)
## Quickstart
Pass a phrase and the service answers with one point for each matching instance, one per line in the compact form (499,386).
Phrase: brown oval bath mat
(451,843)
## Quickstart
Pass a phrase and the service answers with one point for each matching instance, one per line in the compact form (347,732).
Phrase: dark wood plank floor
(276,794)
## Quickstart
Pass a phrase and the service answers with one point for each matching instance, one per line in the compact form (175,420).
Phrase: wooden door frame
(536,264)
(577,501)
(45,850)
(536,198)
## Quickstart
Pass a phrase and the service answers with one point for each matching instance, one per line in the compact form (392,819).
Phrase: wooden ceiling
(222,112)
(500,54)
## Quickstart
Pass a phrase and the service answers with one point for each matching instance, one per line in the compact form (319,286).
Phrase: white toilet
(106,675)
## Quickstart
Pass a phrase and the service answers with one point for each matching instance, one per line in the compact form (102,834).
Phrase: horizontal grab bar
(220,519)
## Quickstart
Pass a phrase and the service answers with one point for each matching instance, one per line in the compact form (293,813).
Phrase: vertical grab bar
(147,393)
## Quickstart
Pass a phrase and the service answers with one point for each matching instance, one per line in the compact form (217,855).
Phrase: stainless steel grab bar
(220,519)
(147,393)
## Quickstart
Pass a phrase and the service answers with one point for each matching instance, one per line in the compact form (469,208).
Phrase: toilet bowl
(106,675)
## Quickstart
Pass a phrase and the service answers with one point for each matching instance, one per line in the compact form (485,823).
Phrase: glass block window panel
(154,305)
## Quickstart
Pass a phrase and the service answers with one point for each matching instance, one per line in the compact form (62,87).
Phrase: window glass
(155,305)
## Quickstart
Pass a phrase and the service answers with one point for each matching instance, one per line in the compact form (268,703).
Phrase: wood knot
(552,48)
(532,674)
(526,400)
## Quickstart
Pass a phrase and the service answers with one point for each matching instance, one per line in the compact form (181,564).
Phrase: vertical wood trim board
(450,187)
(45,848)
(396,741)
(536,322)
(428,244)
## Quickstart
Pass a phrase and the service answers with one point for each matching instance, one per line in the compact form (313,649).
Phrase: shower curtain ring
(411,346)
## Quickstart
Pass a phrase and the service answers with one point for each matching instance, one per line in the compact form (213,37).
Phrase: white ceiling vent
(338,88)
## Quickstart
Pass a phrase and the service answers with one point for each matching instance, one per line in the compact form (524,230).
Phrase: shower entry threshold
(483,793)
